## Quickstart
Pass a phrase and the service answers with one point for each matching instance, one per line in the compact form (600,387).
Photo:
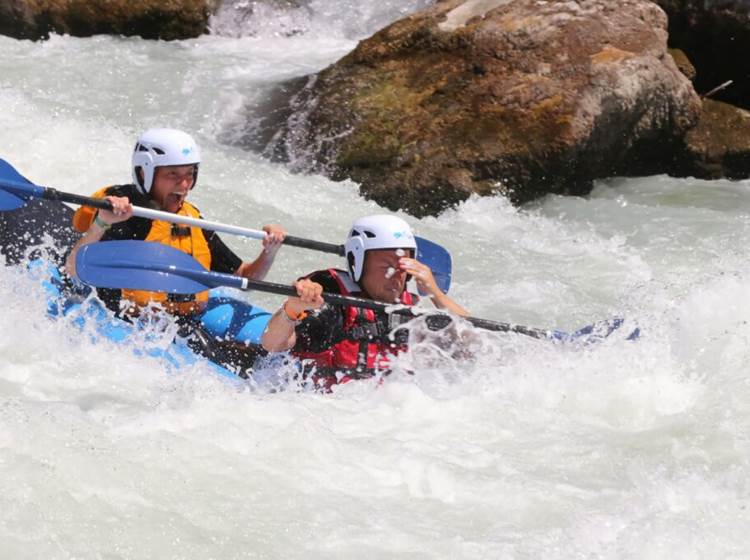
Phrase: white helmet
(159,147)
(376,232)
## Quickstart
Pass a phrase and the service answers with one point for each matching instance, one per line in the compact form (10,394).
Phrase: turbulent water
(526,450)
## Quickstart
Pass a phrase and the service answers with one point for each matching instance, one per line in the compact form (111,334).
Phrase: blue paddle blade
(438,259)
(9,173)
(140,265)
(9,200)
(595,332)
(15,189)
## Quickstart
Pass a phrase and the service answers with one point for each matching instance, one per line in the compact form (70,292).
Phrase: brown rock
(719,146)
(151,19)
(683,63)
(484,96)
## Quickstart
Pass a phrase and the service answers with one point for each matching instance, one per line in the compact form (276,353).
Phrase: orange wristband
(295,318)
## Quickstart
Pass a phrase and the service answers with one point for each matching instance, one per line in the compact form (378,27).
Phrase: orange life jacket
(85,215)
(190,240)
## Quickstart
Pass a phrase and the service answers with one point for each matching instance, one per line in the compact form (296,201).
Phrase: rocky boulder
(485,96)
(683,63)
(151,19)
(719,146)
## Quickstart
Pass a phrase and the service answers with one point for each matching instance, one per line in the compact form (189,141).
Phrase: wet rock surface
(150,19)
(485,96)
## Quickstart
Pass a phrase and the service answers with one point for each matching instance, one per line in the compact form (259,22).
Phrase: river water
(530,449)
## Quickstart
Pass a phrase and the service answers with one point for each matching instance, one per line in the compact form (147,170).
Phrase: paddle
(15,191)
(157,267)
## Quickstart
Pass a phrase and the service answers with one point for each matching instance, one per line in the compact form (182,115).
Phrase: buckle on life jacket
(368,331)
(180,231)
(180,298)
(379,332)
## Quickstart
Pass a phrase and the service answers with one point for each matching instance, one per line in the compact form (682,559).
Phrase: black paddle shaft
(54,194)
(321,246)
(336,299)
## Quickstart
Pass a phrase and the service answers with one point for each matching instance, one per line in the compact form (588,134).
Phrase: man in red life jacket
(342,343)
(165,168)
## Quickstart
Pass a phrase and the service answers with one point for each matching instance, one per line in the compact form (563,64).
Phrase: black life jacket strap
(378,331)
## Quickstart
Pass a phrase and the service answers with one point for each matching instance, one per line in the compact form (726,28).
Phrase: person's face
(172,185)
(381,277)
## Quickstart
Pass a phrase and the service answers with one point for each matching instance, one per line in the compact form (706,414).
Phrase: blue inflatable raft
(227,334)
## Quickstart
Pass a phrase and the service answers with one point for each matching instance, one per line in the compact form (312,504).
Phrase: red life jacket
(365,348)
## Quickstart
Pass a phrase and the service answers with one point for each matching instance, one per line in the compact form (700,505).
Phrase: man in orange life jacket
(165,167)
(342,343)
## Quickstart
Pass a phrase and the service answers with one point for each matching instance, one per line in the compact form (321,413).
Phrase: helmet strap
(139,176)
(195,175)
(350,261)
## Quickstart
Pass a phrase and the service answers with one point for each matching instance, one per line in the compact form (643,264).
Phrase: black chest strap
(380,330)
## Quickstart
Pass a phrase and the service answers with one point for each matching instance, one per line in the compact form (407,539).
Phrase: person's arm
(258,268)
(427,284)
(121,210)
(280,332)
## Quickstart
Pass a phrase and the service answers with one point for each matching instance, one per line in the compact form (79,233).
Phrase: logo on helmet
(186,151)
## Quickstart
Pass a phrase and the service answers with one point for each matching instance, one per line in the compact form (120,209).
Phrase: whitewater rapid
(529,450)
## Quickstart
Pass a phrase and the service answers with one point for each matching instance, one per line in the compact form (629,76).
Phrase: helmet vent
(369,234)
(159,151)
(141,148)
